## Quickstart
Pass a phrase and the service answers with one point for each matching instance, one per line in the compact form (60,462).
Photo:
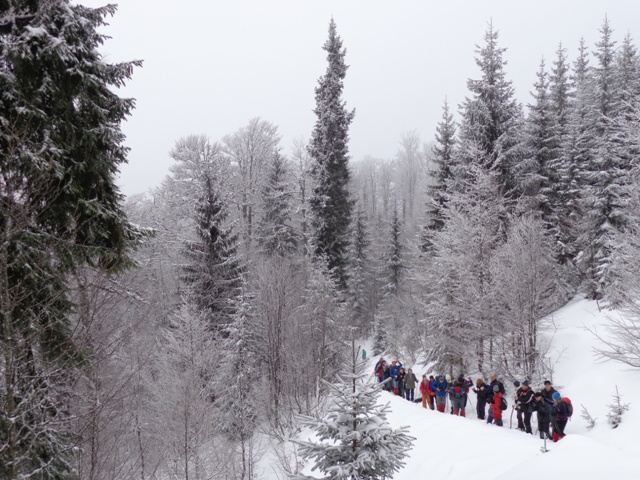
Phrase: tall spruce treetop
(491,116)
(541,148)
(443,157)
(330,202)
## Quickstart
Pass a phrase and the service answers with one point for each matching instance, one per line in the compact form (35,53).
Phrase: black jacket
(543,409)
(524,399)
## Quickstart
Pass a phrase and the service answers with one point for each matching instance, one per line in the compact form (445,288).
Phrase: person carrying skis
(523,401)
(459,391)
(560,415)
(440,387)
(481,392)
(491,396)
(496,406)
(543,410)
(410,385)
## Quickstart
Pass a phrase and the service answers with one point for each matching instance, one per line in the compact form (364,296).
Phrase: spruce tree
(541,148)
(60,148)
(330,202)
(360,284)
(214,275)
(354,439)
(276,236)
(438,191)
(491,118)
(394,262)
(604,176)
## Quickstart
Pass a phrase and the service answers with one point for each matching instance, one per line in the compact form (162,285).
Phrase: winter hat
(525,383)
(547,382)
(516,383)
(448,377)
(461,379)
(424,376)
(556,396)
(537,394)
(441,379)
(496,388)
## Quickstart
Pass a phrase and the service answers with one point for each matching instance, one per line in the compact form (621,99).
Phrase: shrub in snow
(616,409)
(591,422)
(354,439)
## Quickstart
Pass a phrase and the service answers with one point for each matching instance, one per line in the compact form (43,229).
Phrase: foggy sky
(211,66)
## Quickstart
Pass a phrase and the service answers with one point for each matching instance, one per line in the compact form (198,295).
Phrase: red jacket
(497,402)
(424,388)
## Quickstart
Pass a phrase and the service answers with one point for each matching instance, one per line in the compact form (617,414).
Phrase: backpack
(504,404)
(569,406)
(458,391)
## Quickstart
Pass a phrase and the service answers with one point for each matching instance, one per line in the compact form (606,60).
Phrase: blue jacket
(439,388)
(394,370)
(560,411)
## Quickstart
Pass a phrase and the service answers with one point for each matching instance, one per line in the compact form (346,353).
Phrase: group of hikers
(551,408)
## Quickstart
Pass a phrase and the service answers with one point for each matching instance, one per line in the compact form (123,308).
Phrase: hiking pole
(511,417)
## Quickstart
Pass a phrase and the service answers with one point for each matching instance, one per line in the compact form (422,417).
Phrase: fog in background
(210,66)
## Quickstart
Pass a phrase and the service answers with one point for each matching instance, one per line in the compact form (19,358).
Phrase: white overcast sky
(211,65)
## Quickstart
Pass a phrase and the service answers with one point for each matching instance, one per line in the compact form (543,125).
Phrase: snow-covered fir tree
(330,202)
(394,263)
(491,117)
(61,145)
(354,439)
(443,155)
(276,235)
(361,278)
(213,275)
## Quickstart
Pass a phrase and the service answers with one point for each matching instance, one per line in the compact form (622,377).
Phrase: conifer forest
(185,332)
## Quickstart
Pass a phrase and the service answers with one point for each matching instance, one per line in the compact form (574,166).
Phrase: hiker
(386,375)
(424,391)
(379,368)
(481,392)
(440,387)
(490,396)
(560,415)
(543,410)
(432,393)
(523,401)
(496,407)
(410,385)
(394,370)
(547,392)
(402,375)
(458,392)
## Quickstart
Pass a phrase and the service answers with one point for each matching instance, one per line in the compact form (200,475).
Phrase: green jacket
(410,381)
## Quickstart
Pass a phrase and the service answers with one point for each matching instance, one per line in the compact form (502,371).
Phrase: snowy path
(448,447)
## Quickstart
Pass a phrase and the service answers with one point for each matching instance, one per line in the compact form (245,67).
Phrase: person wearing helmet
(560,415)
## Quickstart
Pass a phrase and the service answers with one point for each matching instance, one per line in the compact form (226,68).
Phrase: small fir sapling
(616,409)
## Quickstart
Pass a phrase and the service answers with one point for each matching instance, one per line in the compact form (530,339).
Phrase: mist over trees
(183,333)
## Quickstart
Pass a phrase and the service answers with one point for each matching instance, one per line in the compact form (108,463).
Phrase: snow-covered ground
(448,447)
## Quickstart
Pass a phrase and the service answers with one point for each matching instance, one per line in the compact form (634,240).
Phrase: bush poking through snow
(616,409)
(591,422)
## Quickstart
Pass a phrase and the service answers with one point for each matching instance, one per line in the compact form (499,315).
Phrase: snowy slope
(451,448)
(456,448)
